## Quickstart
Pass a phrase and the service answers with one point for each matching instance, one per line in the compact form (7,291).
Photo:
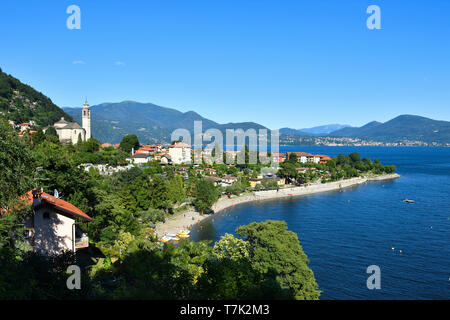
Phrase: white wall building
(52,228)
(140,158)
(180,153)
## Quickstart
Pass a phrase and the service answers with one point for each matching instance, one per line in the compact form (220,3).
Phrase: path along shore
(187,219)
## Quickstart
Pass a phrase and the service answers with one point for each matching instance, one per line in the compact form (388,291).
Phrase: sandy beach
(187,219)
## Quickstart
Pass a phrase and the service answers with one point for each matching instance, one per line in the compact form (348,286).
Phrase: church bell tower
(86,120)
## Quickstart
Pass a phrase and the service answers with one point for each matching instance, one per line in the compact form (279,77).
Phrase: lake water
(345,232)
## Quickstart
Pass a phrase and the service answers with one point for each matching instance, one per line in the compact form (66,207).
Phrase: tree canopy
(129,142)
(274,249)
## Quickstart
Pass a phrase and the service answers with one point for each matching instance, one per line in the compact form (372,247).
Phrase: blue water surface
(345,232)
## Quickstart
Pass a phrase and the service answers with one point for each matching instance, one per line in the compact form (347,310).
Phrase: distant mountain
(21,103)
(354,131)
(291,131)
(319,130)
(404,127)
(150,122)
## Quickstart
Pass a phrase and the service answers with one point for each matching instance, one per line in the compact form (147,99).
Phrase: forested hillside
(21,103)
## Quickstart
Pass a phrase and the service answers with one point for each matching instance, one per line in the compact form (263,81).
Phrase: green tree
(91,145)
(16,172)
(59,171)
(207,195)
(38,137)
(293,158)
(175,189)
(355,157)
(230,247)
(275,249)
(288,170)
(51,135)
(129,142)
(16,166)
(159,195)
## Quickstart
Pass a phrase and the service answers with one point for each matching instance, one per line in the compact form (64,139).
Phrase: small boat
(408,201)
(171,235)
(165,239)
(184,231)
(183,235)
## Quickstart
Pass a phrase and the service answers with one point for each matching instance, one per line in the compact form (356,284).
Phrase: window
(46,215)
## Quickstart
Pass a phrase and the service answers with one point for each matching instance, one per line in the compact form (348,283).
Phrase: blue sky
(279,63)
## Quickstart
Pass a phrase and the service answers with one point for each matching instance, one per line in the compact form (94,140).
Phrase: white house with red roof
(53,228)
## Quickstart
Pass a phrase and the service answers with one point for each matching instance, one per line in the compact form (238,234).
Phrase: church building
(70,131)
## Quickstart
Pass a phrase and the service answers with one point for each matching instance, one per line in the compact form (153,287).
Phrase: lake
(345,232)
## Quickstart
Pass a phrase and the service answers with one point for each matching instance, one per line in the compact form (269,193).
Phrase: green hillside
(20,103)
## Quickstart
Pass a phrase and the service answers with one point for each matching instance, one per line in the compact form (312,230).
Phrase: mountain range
(150,122)
(154,124)
(403,127)
(319,130)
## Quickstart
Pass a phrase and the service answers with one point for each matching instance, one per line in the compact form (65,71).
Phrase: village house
(258,181)
(105,169)
(180,153)
(210,171)
(160,154)
(107,145)
(25,126)
(215,180)
(323,158)
(53,229)
(149,149)
(165,159)
(228,180)
(304,157)
(139,158)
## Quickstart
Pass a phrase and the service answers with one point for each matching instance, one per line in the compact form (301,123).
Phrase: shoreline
(187,219)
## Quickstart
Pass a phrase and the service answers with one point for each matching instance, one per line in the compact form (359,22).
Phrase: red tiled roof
(299,154)
(59,204)
(180,145)
(322,156)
